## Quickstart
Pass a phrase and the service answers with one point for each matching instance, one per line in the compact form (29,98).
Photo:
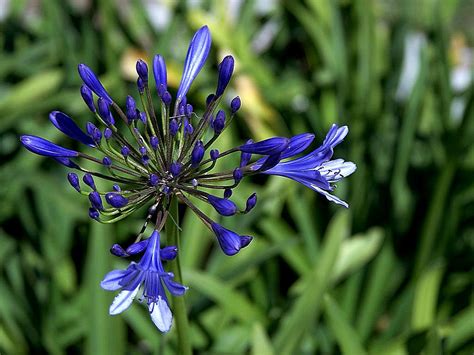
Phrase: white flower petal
(330,197)
(122,301)
(161,314)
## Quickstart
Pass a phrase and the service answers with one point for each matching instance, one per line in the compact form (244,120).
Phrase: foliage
(390,275)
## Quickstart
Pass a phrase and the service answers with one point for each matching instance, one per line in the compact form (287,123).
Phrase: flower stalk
(179,306)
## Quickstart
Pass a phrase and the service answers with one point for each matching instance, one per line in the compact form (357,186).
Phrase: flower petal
(122,301)
(111,281)
(330,197)
(297,144)
(161,314)
(176,289)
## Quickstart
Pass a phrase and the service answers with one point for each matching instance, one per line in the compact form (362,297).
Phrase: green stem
(179,307)
(434,216)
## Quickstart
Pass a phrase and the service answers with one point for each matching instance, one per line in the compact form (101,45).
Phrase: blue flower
(167,154)
(148,276)
(315,170)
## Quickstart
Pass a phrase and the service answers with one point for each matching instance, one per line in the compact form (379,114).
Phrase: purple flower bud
(74,181)
(175,169)
(145,159)
(223,206)
(143,117)
(89,181)
(125,151)
(153,179)
(86,94)
(67,162)
(140,85)
(245,157)
(188,128)
(107,133)
(159,72)
(93,213)
(214,154)
(230,242)
(226,68)
(90,127)
(166,98)
(92,82)
(209,99)
(107,162)
(197,154)
(65,124)
(131,109)
(219,122)
(137,248)
(269,146)
(194,182)
(96,201)
(197,53)
(188,111)
(116,188)
(237,174)
(251,202)
(227,193)
(270,162)
(142,150)
(104,111)
(235,104)
(96,135)
(117,250)
(169,253)
(174,126)
(154,142)
(142,70)
(116,200)
(46,148)
(245,240)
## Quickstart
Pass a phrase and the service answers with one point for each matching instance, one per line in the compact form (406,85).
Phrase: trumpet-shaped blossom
(148,276)
(149,157)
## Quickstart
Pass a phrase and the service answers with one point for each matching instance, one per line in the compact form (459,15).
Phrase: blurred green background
(391,275)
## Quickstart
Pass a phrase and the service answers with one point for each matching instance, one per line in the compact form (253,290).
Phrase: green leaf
(356,252)
(229,299)
(426,297)
(261,344)
(345,334)
(305,309)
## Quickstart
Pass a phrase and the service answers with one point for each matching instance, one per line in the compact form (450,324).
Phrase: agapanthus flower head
(150,159)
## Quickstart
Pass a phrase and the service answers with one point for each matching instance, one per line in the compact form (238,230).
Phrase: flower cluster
(150,159)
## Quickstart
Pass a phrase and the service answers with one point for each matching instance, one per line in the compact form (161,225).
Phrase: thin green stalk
(434,216)
(179,307)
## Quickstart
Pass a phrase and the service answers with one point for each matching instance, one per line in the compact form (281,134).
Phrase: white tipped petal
(335,170)
(161,315)
(330,197)
(122,301)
